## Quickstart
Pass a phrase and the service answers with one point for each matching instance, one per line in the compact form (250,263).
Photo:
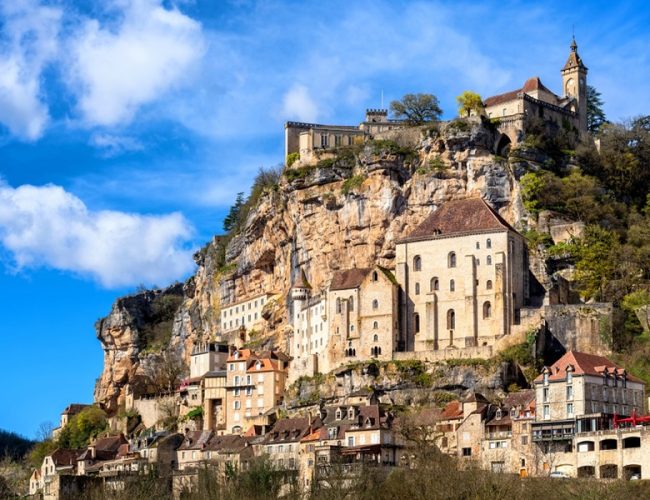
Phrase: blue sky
(128,127)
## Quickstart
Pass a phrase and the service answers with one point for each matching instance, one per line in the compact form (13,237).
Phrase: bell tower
(574,84)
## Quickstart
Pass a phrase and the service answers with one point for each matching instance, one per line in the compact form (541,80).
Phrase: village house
(189,454)
(59,462)
(229,454)
(70,411)
(463,273)
(255,384)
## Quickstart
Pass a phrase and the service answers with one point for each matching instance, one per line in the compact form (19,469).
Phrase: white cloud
(298,104)
(114,145)
(45,226)
(30,36)
(116,71)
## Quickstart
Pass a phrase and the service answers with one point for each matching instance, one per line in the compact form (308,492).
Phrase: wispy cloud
(114,145)
(45,226)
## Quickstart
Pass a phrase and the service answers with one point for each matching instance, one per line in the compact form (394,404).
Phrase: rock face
(338,214)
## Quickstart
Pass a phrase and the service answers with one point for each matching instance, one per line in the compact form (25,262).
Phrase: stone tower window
(452,286)
(478,245)
(451,259)
(434,285)
(451,320)
(488,284)
(375,304)
(417,289)
(416,320)
(488,260)
(375,277)
(417,263)
(338,306)
(375,338)
(488,243)
(375,325)
(487,310)
(351,302)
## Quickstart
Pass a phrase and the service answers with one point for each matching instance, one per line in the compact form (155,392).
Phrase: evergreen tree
(595,114)
(232,219)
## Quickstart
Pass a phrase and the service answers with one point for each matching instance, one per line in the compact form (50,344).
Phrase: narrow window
(375,325)
(375,304)
(351,302)
(375,276)
(417,289)
(338,306)
(487,310)
(452,286)
(488,260)
(451,259)
(478,245)
(488,243)
(375,338)
(434,285)
(488,284)
(417,322)
(417,263)
(451,320)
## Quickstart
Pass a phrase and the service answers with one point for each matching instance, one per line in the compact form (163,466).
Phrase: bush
(292,158)
(293,174)
(352,184)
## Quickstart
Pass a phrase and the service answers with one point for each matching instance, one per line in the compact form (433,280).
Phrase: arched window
(451,259)
(488,260)
(451,320)
(375,277)
(338,306)
(375,304)
(487,310)
(417,263)
(351,302)
(488,284)
(375,325)
(434,285)
(375,338)
(416,320)
(417,289)
(452,286)
(488,243)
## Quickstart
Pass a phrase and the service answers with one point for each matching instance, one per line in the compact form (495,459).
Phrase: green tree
(469,101)
(595,114)
(597,261)
(232,220)
(88,423)
(417,109)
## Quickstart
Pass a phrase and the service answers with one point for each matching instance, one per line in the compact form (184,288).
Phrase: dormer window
(339,414)
(499,414)
(513,412)
(258,365)
(546,377)
(351,413)
(569,375)
(236,355)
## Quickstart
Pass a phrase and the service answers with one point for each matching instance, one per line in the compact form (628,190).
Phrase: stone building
(513,110)
(362,315)
(309,340)
(245,314)
(255,384)
(310,139)
(463,275)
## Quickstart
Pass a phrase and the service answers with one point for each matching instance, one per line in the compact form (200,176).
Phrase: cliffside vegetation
(87,424)
(608,190)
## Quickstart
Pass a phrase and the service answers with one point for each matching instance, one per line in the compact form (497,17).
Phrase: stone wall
(150,409)
(579,327)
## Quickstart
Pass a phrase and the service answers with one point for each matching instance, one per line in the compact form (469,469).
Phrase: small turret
(300,289)
(376,115)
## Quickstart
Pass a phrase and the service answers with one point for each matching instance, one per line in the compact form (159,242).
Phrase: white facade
(246,313)
(309,342)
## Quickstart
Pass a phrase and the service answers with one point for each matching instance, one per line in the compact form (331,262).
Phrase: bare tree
(164,372)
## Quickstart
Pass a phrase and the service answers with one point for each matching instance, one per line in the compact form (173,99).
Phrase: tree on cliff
(595,114)
(164,372)
(417,109)
(233,218)
(469,101)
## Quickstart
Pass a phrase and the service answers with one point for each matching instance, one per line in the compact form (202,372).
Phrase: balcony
(499,435)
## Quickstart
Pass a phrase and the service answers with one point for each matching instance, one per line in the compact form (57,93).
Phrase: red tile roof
(62,456)
(530,85)
(460,217)
(584,364)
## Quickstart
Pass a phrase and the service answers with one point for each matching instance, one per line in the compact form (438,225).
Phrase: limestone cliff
(347,210)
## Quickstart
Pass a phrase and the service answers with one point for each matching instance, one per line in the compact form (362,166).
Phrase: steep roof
(288,430)
(574,59)
(349,278)
(459,217)
(530,85)
(521,398)
(584,364)
(74,408)
(62,456)
(195,440)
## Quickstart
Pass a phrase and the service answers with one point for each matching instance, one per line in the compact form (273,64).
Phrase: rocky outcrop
(344,212)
